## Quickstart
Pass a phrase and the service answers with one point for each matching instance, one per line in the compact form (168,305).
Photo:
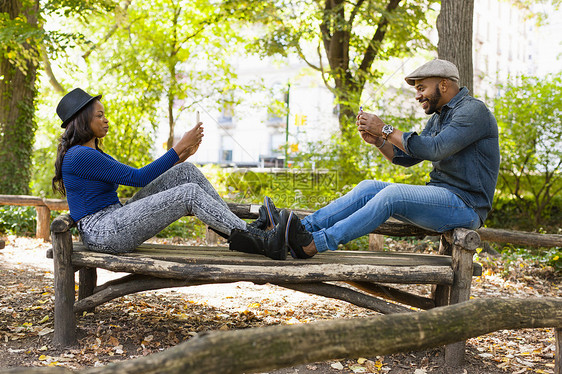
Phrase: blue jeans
(371,203)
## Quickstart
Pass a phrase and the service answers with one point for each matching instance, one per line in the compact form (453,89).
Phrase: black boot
(268,243)
(222,235)
(268,215)
(297,236)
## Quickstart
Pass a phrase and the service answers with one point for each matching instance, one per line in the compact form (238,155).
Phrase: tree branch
(49,71)
(120,12)
(355,11)
(374,44)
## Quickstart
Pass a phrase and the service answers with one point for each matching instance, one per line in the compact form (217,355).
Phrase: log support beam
(463,244)
(65,321)
(558,353)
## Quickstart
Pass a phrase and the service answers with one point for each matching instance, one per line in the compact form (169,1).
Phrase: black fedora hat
(72,103)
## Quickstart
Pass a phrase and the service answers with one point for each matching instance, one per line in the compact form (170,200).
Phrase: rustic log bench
(361,277)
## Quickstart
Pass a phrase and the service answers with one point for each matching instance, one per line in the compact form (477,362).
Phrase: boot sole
(268,206)
(301,254)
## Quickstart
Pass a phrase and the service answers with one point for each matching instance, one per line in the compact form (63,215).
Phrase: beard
(433,100)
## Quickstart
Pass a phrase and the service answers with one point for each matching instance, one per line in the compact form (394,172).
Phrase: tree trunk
(17,106)
(336,34)
(266,348)
(454,26)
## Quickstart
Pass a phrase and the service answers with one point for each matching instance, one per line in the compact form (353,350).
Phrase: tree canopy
(529,118)
(342,40)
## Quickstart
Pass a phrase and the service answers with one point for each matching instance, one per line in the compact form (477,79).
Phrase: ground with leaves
(149,322)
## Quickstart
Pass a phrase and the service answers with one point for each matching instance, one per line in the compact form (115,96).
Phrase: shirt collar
(457,98)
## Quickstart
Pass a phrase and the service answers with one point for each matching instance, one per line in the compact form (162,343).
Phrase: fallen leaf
(45,331)
(337,366)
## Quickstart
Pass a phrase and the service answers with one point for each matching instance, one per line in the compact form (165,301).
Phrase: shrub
(18,220)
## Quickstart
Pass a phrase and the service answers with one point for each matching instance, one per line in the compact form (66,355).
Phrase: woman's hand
(189,143)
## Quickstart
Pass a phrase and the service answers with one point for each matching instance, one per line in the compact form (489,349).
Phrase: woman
(171,188)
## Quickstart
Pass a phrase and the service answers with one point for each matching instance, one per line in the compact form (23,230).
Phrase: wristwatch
(386,131)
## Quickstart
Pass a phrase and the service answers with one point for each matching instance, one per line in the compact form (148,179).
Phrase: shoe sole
(291,250)
(269,209)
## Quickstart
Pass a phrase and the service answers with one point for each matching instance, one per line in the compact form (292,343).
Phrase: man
(461,141)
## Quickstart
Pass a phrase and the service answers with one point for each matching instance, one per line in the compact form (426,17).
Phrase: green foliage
(174,53)
(16,34)
(351,36)
(16,141)
(508,213)
(541,257)
(529,119)
(186,228)
(17,220)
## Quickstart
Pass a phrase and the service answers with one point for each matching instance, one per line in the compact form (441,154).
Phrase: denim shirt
(462,143)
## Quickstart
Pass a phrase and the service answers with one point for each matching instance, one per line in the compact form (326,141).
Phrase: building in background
(505,44)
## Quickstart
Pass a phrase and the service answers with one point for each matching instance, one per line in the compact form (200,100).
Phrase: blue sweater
(91,178)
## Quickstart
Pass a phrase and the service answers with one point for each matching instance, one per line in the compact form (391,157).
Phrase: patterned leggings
(180,191)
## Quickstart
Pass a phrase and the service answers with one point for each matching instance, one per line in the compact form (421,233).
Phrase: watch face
(387,129)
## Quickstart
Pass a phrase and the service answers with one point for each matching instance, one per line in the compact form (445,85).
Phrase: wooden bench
(362,277)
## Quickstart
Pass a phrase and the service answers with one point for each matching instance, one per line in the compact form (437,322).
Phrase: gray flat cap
(434,68)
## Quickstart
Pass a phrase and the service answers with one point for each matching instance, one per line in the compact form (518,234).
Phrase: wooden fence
(45,206)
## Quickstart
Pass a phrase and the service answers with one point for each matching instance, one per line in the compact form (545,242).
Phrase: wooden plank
(128,286)
(20,200)
(286,274)
(520,238)
(56,204)
(221,255)
(391,227)
(395,294)
(346,294)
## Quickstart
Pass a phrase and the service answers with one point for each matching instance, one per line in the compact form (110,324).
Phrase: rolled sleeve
(405,158)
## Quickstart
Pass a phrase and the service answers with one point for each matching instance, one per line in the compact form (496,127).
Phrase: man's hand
(369,138)
(369,123)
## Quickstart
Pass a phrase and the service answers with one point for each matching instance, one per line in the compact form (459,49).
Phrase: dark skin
(432,93)
(185,147)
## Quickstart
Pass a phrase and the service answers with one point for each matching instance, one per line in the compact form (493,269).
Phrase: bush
(18,220)
(541,257)
(187,228)
(508,213)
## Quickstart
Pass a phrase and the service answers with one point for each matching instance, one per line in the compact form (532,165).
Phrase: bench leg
(442,292)
(558,354)
(88,278)
(65,322)
(462,253)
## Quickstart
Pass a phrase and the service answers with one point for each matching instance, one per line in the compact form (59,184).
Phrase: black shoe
(268,243)
(297,236)
(268,215)
(273,213)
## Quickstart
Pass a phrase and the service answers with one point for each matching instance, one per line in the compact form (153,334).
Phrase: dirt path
(149,322)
